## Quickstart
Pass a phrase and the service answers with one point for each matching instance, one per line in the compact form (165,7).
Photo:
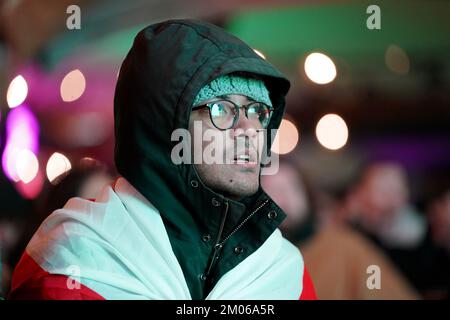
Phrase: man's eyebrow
(225,96)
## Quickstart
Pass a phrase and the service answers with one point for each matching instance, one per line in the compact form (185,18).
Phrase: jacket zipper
(244,221)
(219,244)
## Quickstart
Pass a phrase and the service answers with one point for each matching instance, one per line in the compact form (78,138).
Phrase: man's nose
(244,126)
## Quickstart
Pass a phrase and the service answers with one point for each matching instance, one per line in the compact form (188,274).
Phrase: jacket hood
(160,77)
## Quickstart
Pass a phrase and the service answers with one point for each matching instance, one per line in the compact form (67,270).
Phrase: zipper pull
(215,257)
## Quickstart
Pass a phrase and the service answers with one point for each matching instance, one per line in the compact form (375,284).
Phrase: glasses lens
(222,114)
(259,113)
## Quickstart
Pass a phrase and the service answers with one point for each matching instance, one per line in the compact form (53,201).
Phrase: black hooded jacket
(166,67)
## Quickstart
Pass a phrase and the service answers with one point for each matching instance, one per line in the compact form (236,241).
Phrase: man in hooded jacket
(168,230)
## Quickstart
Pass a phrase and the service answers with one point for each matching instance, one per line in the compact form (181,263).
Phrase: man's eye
(256,110)
(218,109)
(253,110)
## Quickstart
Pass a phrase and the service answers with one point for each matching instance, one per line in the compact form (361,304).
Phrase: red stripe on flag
(308,292)
(31,282)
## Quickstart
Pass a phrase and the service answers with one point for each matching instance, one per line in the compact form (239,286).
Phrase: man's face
(237,173)
(383,193)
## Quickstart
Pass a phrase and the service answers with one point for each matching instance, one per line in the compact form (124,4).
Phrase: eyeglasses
(224,113)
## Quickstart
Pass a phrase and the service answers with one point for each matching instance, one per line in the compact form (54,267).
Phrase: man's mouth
(243,158)
(247,159)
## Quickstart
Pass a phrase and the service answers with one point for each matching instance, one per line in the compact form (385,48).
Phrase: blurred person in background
(435,279)
(382,211)
(337,256)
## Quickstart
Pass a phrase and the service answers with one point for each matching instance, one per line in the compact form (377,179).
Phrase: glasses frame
(236,108)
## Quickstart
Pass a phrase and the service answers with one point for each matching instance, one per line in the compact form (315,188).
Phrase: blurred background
(365,143)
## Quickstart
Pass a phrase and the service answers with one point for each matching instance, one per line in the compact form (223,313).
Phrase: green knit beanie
(232,84)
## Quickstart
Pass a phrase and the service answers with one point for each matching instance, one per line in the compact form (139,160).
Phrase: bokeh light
(286,139)
(319,68)
(22,132)
(27,165)
(57,164)
(332,132)
(73,86)
(397,60)
(17,92)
